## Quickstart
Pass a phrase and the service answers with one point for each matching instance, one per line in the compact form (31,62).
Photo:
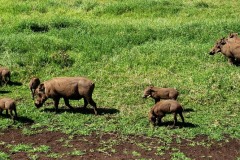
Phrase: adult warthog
(230,49)
(233,37)
(68,88)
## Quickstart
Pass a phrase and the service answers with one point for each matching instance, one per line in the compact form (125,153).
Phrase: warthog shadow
(101,111)
(11,83)
(188,110)
(25,120)
(4,92)
(178,124)
(20,119)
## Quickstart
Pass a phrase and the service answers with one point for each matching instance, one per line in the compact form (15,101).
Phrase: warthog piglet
(34,82)
(8,104)
(160,93)
(159,110)
(4,75)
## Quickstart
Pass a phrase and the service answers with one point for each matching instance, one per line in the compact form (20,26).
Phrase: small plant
(33,156)
(54,155)
(135,153)
(4,156)
(76,152)
(67,143)
(21,148)
(161,150)
(179,156)
(41,148)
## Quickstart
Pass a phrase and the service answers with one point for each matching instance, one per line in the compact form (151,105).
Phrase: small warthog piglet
(159,110)
(160,93)
(8,104)
(34,82)
(4,75)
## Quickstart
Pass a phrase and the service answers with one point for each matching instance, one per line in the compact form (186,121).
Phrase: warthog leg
(67,103)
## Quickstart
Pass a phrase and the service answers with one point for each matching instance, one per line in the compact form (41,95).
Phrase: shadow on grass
(4,92)
(178,125)
(19,119)
(25,120)
(188,110)
(101,111)
(14,83)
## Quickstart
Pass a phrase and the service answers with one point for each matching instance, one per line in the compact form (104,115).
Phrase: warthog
(230,49)
(159,110)
(233,37)
(34,82)
(160,93)
(4,75)
(8,104)
(68,88)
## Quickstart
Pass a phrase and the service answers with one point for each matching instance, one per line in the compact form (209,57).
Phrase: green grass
(28,148)
(4,155)
(123,46)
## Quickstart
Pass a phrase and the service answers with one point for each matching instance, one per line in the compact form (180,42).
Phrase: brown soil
(113,146)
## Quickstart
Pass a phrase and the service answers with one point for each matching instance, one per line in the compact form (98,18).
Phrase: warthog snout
(211,53)
(146,96)
(38,104)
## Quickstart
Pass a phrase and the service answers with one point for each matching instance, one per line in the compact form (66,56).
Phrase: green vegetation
(179,155)
(123,46)
(29,148)
(4,155)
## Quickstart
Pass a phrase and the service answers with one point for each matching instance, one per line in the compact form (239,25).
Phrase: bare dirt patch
(114,146)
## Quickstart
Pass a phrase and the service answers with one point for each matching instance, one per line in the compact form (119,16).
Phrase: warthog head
(233,35)
(218,46)
(147,92)
(41,96)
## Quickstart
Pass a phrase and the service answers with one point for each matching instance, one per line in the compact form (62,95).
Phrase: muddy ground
(113,146)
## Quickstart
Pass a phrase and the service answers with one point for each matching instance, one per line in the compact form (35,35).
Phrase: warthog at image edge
(230,49)
(160,93)
(68,88)
(233,37)
(8,104)
(33,84)
(5,75)
(159,110)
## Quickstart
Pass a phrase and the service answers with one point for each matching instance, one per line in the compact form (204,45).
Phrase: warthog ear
(223,41)
(231,35)
(151,88)
(42,88)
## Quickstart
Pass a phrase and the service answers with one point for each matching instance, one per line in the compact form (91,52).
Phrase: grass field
(123,46)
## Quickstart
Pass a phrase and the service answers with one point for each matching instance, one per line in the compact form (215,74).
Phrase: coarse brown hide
(230,49)
(160,93)
(68,88)
(159,110)
(8,104)
(33,84)
(4,75)
(233,37)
